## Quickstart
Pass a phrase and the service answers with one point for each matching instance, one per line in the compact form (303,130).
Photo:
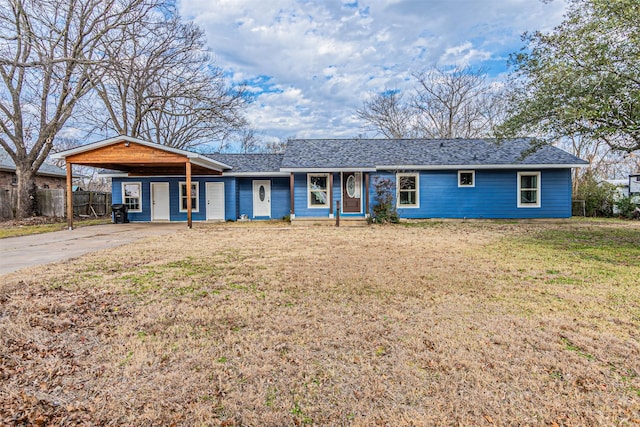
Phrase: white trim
(122,175)
(212,188)
(180,196)
(257,174)
(157,184)
(417,190)
(224,174)
(327,170)
(473,179)
(205,162)
(342,193)
(538,190)
(255,195)
(328,190)
(139,184)
(510,166)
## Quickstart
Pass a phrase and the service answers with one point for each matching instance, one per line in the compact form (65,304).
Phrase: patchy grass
(25,228)
(463,323)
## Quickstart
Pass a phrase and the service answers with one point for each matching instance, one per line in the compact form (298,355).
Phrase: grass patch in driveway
(450,323)
(10,229)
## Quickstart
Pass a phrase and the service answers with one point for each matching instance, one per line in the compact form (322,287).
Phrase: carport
(137,157)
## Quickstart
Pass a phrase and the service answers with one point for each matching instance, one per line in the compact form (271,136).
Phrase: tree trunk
(25,201)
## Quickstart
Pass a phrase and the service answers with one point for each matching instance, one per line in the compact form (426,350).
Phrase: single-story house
(48,176)
(629,187)
(454,178)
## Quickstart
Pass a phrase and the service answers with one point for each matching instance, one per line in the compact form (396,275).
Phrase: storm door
(261,198)
(352,192)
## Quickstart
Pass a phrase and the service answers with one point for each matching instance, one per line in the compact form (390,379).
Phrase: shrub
(598,196)
(384,210)
(626,207)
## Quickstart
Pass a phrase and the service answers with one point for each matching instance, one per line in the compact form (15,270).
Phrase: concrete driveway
(38,249)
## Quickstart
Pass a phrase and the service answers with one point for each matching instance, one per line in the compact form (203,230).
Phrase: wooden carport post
(188,173)
(69,197)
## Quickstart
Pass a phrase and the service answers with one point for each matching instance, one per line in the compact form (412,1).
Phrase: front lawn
(445,323)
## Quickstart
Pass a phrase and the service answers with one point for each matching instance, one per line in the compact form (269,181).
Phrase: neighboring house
(433,179)
(629,187)
(48,176)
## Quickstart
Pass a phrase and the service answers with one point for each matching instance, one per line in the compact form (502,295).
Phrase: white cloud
(321,59)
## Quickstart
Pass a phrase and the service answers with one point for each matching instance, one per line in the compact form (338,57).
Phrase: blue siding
(494,195)
(174,195)
(237,193)
(245,197)
(279,197)
(301,197)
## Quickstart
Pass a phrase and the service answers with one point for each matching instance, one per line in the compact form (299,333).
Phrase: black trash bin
(120,213)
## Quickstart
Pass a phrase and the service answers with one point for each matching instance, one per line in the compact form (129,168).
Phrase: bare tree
(276,147)
(48,49)
(249,140)
(456,103)
(452,103)
(386,113)
(85,176)
(605,162)
(161,86)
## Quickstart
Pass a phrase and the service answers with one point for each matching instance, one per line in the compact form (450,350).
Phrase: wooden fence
(91,203)
(52,202)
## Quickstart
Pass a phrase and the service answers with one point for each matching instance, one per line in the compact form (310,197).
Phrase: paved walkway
(37,249)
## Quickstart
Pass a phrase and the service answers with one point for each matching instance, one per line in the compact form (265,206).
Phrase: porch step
(329,222)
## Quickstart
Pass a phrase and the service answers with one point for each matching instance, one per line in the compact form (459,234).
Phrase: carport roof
(145,157)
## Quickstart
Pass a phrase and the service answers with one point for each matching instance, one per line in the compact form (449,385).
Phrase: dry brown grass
(418,324)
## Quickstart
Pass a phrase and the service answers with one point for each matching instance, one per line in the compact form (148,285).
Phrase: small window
(528,189)
(194,197)
(407,193)
(318,190)
(466,178)
(132,196)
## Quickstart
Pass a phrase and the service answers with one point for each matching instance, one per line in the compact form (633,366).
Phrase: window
(194,197)
(466,178)
(318,190)
(528,189)
(132,196)
(407,193)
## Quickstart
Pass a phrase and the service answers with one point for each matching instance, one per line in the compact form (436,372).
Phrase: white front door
(215,201)
(160,201)
(262,198)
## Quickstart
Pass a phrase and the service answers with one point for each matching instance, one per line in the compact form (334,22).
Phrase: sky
(310,64)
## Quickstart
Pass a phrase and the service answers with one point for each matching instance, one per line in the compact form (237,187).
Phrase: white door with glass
(215,201)
(160,201)
(262,198)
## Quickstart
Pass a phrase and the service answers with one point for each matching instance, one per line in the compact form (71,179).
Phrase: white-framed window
(466,178)
(195,196)
(407,190)
(132,196)
(318,190)
(529,189)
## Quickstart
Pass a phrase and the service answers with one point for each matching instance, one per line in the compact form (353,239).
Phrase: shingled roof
(249,163)
(7,164)
(325,154)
